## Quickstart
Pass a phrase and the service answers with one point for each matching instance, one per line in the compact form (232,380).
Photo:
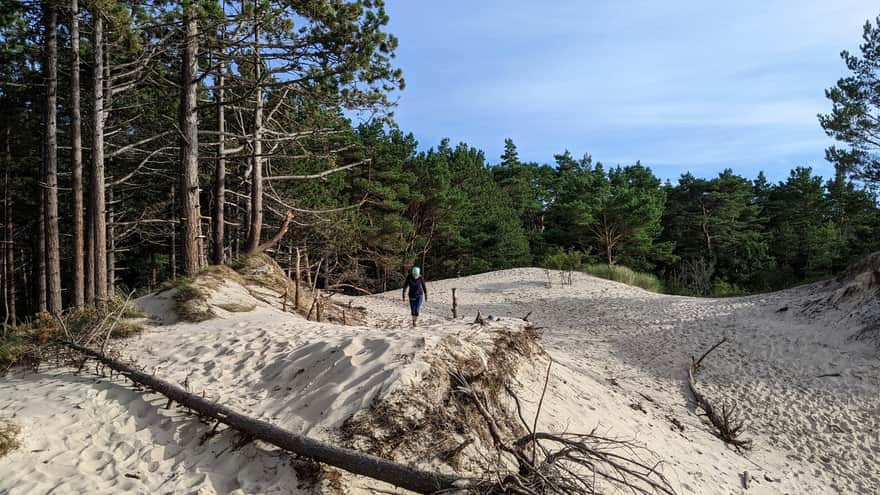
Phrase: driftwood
(727,421)
(346,459)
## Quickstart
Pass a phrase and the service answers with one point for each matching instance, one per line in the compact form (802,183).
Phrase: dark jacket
(416,287)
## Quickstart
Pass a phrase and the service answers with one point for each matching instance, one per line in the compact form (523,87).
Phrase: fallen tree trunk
(728,423)
(349,460)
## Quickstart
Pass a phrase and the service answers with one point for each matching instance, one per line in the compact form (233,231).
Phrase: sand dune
(621,358)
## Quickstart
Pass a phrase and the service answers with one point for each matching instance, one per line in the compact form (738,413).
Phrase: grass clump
(191,301)
(9,432)
(624,275)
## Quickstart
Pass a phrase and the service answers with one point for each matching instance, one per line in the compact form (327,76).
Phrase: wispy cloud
(627,78)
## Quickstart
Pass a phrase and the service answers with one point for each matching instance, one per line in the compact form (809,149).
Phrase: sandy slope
(621,354)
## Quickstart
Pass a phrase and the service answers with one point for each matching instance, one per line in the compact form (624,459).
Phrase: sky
(680,85)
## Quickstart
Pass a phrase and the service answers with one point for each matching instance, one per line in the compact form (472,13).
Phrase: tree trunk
(40,254)
(220,172)
(89,253)
(53,249)
(96,194)
(8,231)
(349,460)
(76,166)
(174,233)
(111,239)
(253,242)
(189,126)
(298,280)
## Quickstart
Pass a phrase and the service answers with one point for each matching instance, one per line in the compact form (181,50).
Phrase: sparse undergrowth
(9,432)
(22,343)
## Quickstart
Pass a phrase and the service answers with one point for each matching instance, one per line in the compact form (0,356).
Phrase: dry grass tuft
(24,343)
(191,302)
(9,432)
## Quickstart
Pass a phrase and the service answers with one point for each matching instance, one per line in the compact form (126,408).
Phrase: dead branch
(346,459)
(278,235)
(727,421)
(569,463)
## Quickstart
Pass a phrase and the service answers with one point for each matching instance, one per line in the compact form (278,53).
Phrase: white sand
(616,347)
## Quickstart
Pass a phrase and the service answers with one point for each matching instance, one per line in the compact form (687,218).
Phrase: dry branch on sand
(564,463)
(727,421)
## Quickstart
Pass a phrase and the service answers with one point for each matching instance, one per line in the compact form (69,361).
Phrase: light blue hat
(416,271)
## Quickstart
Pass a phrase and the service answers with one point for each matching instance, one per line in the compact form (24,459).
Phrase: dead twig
(727,421)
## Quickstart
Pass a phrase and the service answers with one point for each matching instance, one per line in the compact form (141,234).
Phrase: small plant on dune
(9,432)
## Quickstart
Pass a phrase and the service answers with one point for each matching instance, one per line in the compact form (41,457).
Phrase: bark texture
(76,163)
(189,126)
(53,248)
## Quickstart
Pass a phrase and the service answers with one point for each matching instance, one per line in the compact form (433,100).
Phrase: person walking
(418,292)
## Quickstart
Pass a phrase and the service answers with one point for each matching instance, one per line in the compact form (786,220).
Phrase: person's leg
(415,305)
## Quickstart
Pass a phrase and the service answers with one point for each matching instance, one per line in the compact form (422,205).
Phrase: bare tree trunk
(96,194)
(8,231)
(308,268)
(89,254)
(174,233)
(189,126)
(40,254)
(220,172)
(111,238)
(76,166)
(298,280)
(10,270)
(7,239)
(3,274)
(53,248)
(349,460)
(154,270)
(253,242)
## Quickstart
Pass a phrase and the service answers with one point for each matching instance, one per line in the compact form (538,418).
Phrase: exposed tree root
(564,463)
(727,421)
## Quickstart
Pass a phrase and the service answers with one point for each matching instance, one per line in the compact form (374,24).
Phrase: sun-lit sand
(802,365)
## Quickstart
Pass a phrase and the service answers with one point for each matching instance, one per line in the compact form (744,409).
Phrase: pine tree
(855,111)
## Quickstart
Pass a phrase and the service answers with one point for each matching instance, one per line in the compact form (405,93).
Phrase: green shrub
(624,275)
(722,288)
(565,260)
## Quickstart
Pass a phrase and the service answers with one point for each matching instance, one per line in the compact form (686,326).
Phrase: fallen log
(346,459)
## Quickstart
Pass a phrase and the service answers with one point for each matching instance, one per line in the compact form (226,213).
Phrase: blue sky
(680,85)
